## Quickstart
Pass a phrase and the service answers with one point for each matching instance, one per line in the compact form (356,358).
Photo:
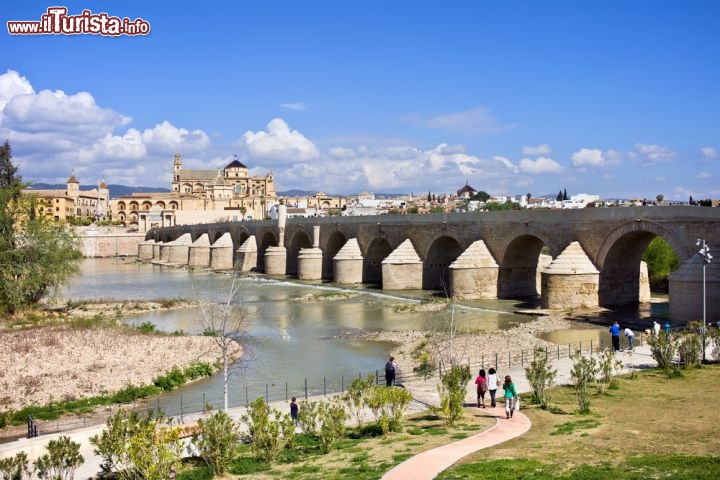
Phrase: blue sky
(615,98)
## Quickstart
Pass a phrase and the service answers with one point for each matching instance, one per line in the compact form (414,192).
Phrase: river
(289,339)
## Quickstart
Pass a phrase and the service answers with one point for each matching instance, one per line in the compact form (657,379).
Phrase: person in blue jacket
(615,333)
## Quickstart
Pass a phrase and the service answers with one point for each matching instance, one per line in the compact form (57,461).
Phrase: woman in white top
(492,385)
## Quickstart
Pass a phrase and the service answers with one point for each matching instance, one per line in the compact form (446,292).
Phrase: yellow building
(71,202)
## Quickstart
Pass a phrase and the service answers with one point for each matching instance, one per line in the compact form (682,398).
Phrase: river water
(289,339)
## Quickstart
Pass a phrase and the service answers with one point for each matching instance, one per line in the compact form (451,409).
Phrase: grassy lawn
(360,456)
(651,427)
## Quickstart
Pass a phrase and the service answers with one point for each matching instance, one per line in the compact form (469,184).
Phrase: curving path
(427,465)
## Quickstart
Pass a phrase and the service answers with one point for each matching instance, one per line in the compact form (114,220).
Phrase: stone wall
(110,244)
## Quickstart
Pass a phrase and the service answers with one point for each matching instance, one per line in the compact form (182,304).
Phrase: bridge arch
(378,249)
(334,243)
(518,273)
(442,252)
(618,260)
(299,240)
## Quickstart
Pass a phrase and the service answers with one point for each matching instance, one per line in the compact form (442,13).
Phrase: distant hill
(115,190)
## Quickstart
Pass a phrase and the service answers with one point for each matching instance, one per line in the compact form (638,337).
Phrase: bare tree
(226,322)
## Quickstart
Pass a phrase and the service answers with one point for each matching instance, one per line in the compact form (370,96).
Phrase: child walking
(294,410)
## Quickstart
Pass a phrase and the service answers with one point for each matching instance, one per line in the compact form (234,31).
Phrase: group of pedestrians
(615,336)
(489,382)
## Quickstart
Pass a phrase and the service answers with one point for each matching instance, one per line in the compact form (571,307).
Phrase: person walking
(656,329)
(390,371)
(510,396)
(631,338)
(481,382)
(615,334)
(493,383)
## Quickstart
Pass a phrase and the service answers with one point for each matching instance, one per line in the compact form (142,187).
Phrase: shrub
(146,327)
(265,430)
(172,379)
(356,395)
(662,349)
(541,376)
(452,393)
(15,468)
(332,418)
(217,441)
(689,349)
(583,372)
(608,367)
(61,461)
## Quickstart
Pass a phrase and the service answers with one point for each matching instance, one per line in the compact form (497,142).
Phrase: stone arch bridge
(595,253)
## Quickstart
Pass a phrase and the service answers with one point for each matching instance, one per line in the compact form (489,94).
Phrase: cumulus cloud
(539,165)
(166,138)
(709,152)
(543,149)
(279,143)
(298,106)
(507,163)
(703,175)
(586,157)
(476,121)
(654,153)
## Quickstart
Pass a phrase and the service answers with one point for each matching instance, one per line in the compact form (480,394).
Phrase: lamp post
(706,257)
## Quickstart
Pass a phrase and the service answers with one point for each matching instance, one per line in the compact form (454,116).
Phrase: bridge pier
(247,255)
(199,255)
(474,274)
(156,251)
(221,253)
(348,263)
(145,250)
(686,291)
(179,249)
(310,259)
(402,269)
(570,281)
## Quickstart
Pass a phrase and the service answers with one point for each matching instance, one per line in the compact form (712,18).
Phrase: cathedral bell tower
(177,166)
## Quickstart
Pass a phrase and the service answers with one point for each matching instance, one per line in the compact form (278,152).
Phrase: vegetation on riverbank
(171,380)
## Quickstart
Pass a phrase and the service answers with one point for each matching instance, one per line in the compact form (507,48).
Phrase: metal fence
(243,395)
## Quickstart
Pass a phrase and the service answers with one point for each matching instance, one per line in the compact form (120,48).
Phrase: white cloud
(165,138)
(654,153)
(543,149)
(703,175)
(506,161)
(298,106)
(540,165)
(709,152)
(279,143)
(476,121)
(586,157)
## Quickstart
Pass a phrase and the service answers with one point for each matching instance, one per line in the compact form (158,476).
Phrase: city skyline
(611,98)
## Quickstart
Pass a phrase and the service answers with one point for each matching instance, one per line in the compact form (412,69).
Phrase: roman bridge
(594,253)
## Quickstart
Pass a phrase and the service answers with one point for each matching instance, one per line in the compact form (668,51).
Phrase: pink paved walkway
(427,465)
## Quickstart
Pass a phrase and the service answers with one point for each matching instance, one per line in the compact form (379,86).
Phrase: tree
(481,196)
(583,372)
(559,196)
(565,195)
(660,198)
(429,197)
(528,196)
(661,262)
(226,322)
(35,253)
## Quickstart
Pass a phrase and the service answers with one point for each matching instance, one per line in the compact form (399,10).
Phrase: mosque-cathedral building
(199,196)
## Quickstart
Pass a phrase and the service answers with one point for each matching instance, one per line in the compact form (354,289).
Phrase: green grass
(570,427)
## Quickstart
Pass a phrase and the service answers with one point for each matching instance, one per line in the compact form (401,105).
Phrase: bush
(541,376)
(388,405)
(217,441)
(61,461)
(171,380)
(15,468)
(662,349)
(356,395)
(608,367)
(583,372)
(264,425)
(452,393)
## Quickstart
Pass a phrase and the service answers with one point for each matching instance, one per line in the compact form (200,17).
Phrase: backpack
(389,368)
